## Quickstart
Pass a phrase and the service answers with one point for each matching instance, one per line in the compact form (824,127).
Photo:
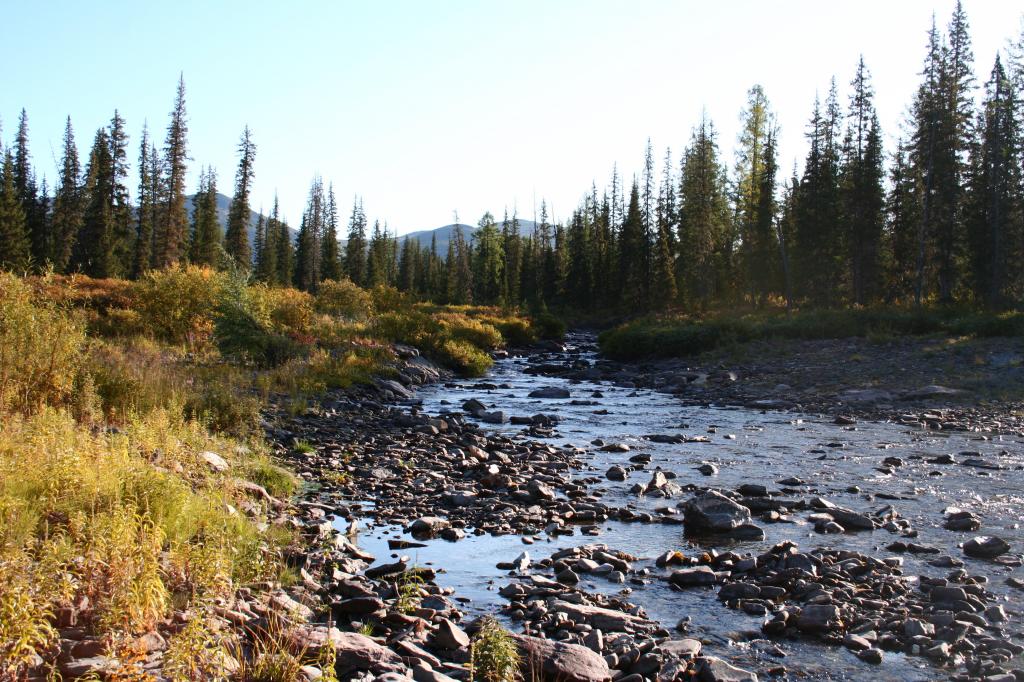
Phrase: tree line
(940,218)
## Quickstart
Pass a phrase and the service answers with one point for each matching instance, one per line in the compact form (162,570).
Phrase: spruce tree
(309,249)
(488,262)
(172,229)
(704,219)
(95,253)
(121,206)
(861,193)
(632,254)
(355,250)
(147,212)
(14,237)
(236,238)
(28,194)
(266,257)
(206,243)
(330,258)
(459,286)
(750,167)
(66,221)
(994,201)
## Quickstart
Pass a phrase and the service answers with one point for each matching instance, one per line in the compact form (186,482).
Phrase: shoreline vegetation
(682,336)
(137,491)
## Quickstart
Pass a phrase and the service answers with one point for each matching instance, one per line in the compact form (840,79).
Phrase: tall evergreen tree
(861,191)
(488,261)
(28,193)
(236,238)
(355,250)
(309,249)
(266,256)
(750,167)
(995,197)
(704,218)
(459,286)
(14,237)
(96,246)
(148,210)
(632,253)
(207,240)
(818,243)
(66,221)
(172,230)
(330,257)
(121,205)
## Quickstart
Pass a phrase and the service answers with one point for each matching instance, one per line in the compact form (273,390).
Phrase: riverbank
(941,368)
(142,507)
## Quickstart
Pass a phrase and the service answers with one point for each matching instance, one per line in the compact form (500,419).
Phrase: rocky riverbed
(629,535)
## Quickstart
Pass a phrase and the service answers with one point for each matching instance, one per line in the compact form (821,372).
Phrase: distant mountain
(444,234)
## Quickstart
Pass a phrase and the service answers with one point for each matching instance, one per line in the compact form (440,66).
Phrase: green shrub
(241,327)
(494,656)
(549,327)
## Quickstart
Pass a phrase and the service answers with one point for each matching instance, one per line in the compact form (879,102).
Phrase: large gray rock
(355,653)
(819,618)
(986,547)
(550,392)
(698,576)
(428,525)
(543,659)
(711,669)
(713,512)
(450,636)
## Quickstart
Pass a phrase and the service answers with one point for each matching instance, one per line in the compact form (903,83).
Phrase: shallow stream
(746,446)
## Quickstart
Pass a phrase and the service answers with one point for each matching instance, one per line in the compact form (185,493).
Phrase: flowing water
(747,446)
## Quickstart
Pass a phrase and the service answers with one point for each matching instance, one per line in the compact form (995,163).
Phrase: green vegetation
(113,394)
(669,336)
(494,654)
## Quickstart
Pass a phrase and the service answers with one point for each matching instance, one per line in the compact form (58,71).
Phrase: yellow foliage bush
(40,345)
(344,299)
(177,304)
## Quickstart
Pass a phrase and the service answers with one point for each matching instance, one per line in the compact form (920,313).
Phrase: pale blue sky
(428,107)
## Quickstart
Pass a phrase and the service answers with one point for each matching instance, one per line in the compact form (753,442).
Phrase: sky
(428,108)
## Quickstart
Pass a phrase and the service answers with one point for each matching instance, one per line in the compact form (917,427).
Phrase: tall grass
(684,336)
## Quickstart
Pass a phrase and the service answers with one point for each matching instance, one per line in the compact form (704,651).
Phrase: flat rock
(559,661)
(552,392)
(712,669)
(355,652)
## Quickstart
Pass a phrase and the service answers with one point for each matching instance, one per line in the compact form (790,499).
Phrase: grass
(110,391)
(681,336)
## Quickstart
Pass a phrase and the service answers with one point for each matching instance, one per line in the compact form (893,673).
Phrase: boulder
(427,525)
(553,392)
(355,652)
(713,512)
(450,636)
(819,619)
(616,473)
(712,669)
(986,547)
(544,659)
(698,576)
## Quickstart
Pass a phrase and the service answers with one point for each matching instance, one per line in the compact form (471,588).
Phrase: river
(838,462)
